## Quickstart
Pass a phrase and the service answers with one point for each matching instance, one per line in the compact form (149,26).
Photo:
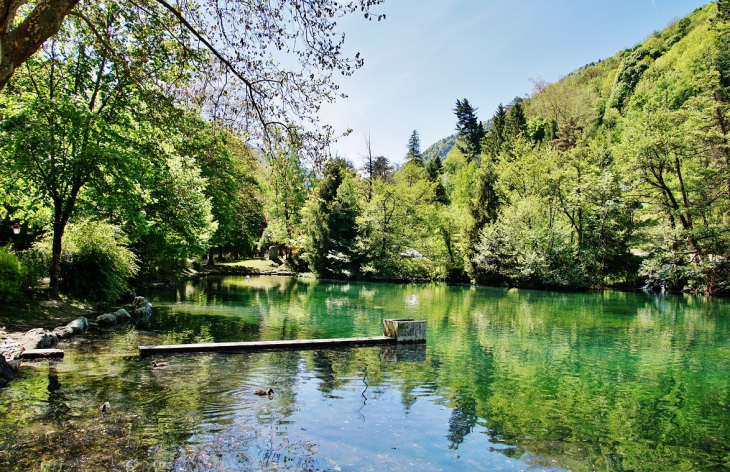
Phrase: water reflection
(507,379)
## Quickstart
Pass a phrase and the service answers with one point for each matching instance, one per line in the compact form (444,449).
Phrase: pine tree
(516,121)
(496,135)
(469,129)
(414,149)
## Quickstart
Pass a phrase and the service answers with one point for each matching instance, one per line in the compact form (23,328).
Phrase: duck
(268,391)
(159,364)
(105,408)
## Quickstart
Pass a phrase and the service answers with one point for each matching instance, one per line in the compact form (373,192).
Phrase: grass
(248,266)
(260,265)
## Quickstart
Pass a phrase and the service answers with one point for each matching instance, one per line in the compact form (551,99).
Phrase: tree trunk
(59,226)
(211,256)
(21,42)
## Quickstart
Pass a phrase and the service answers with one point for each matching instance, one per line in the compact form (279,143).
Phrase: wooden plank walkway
(295,344)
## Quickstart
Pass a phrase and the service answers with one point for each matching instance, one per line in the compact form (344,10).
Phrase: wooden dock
(295,344)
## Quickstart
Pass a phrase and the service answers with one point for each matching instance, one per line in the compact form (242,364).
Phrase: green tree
(330,223)
(69,124)
(495,137)
(469,130)
(285,181)
(414,149)
(484,210)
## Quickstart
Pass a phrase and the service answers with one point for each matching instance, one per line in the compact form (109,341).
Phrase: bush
(10,276)
(35,266)
(96,265)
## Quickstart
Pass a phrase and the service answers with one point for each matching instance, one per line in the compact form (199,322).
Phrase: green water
(508,380)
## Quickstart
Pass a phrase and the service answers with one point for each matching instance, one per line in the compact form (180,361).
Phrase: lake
(508,380)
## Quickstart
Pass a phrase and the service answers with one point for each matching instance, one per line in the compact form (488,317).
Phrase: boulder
(37,339)
(122,315)
(6,370)
(63,332)
(79,325)
(107,319)
(142,308)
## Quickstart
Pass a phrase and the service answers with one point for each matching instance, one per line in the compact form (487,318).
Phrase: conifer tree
(496,135)
(414,149)
(516,121)
(469,130)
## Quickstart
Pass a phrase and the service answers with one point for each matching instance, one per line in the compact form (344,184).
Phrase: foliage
(96,264)
(252,64)
(35,267)
(330,222)
(285,181)
(10,276)
(440,148)
(468,129)
(414,149)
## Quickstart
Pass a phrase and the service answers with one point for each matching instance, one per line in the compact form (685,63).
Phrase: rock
(107,319)
(6,370)
(142,308)
(122,315)
(79,325)
(63,332)
(37,339)
(273,254)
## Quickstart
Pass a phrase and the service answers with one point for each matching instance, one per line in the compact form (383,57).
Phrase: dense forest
(616,175)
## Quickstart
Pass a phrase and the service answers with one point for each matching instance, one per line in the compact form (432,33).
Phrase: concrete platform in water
(404,330)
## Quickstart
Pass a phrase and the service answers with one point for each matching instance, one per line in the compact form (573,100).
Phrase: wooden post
(405,330)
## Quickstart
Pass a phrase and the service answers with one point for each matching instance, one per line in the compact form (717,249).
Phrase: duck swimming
(159,364)
(264,392)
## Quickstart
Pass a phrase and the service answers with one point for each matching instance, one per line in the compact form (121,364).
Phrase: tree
(484,208)
(81,137)
(73,127)
(496,135)
(229,167)
(414,149)
(330,222)
(285,183)
(369,165)
(382,168)
(237,49)
(20,41)
(434,169)
(516,121)
(469,129)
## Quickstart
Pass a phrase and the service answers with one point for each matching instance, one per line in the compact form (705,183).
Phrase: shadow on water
(507,379)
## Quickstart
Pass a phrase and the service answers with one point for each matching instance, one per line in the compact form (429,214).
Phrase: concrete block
(405,330)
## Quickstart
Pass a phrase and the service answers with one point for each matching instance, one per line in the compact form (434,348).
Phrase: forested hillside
(440,148)
(618,174)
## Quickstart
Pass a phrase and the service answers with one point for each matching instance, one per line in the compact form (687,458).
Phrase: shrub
(96,265)
(10,276)
(35,266)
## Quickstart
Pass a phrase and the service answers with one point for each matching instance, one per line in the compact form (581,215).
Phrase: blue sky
(428,53)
